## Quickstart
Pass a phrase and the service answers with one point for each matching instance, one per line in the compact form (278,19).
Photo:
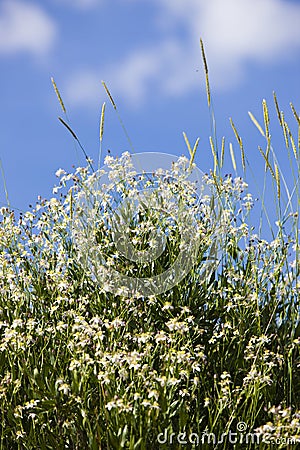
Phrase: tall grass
(82,368)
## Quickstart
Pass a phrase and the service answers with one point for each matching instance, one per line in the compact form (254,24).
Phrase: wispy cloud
(235,32)
(84,87)
(238,31)
(131,78)
(25,27)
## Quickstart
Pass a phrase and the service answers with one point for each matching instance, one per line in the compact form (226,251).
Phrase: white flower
(60,172)
(108,160)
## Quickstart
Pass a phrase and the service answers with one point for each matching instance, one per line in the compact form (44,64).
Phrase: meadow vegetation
(84,368)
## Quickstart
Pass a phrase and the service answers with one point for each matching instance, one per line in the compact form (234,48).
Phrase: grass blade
(256,123)
(240,142)
(58,95)
(206,73)
(232,156)
(77,140)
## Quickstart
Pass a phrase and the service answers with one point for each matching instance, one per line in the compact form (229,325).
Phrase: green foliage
(81,368)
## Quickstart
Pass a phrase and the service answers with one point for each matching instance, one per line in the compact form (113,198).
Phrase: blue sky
(148,53)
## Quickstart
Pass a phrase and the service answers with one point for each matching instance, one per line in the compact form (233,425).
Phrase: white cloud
(83,88)
(134,74)
(131,78)
(235,32)
(25,27)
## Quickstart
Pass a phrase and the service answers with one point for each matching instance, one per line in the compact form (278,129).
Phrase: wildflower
(175,325)
(18,411)
(173,381)
(146,403)
(31,404)
(184,393)
(206,402)
(62,386)
(153,393)
(116,323)
(60,172)
(20,434)
(167,306)
(110,405)
(161,337)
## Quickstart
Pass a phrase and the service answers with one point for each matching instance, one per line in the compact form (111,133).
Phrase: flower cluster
(86,366)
